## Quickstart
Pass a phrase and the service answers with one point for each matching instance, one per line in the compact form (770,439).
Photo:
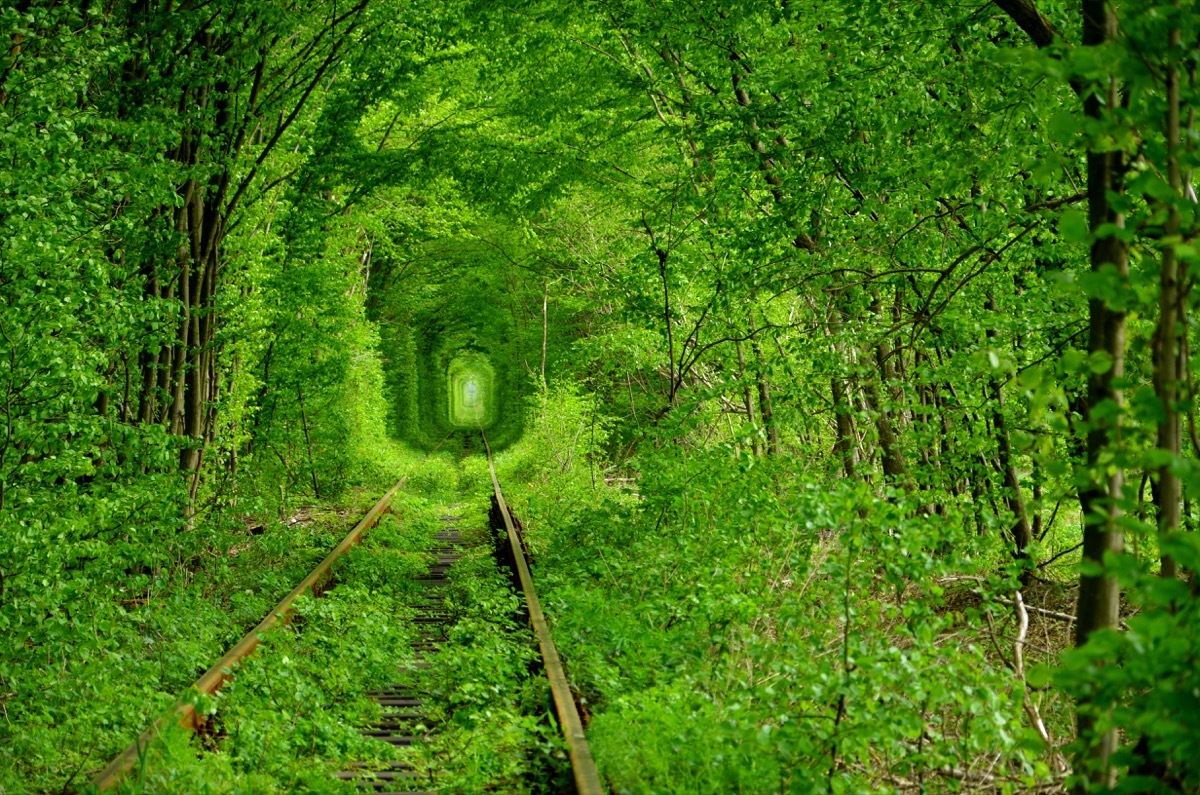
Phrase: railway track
(404,719)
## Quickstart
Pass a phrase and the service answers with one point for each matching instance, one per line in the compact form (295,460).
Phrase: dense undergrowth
(294,712)
(758,633)
(101,669)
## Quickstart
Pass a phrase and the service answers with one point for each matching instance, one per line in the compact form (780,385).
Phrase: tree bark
(1021,531)
(545,328)
(765,408)
(845,445)
(312,461)
(1030,20)
(1099,594)
(1171,314)
(747,399)
(894,468)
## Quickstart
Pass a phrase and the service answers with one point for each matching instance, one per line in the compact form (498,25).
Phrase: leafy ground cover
(119,656)
(817,642)
(292,715)
(846,323)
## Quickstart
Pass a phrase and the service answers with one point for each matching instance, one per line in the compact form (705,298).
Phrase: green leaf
(1039,676)
(1099,362)
(1063,126)
(1031,378)
(1073,227)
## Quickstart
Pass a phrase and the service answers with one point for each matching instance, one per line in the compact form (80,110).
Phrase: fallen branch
(1046,563)
(1035,717)
(1039,610)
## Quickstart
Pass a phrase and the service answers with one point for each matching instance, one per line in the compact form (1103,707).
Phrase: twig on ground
(1035,717)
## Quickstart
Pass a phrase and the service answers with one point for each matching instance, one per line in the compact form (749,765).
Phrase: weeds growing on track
(294,712)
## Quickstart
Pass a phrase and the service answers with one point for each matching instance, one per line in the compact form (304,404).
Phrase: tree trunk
(312,461)
(765,409)
(894,469)
(1099,594)
(1171,314)
(843,448)
(1021,531)
(545,328)
(747,399)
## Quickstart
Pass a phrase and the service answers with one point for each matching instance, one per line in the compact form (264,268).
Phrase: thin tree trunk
(747,398)
(179,357)
(1021,531)
(663,255)
(844,446)
(312,463)
(765,409)
(545,329)
(149,388)
(945,444)
(894,468)
(1166,341)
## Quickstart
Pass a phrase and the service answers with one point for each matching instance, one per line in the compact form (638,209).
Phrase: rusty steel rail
(587,778)
(184,713)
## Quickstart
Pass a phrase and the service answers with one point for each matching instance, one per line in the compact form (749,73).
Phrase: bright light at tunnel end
(470,391)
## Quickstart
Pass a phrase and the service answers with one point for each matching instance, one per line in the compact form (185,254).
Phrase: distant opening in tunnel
(453,359)
(470,387)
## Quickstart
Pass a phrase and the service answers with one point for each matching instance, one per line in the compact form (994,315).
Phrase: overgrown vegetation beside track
(759,634)
(292,714)
(123,653)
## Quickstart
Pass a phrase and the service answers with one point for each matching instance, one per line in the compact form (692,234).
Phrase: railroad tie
(402,711)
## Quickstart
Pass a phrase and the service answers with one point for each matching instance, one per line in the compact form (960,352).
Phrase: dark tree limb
(1029,19)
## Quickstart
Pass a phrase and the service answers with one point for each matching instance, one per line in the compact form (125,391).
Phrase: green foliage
(796,316)
(292,715)
(810,628)
(463,312)
(132,648)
